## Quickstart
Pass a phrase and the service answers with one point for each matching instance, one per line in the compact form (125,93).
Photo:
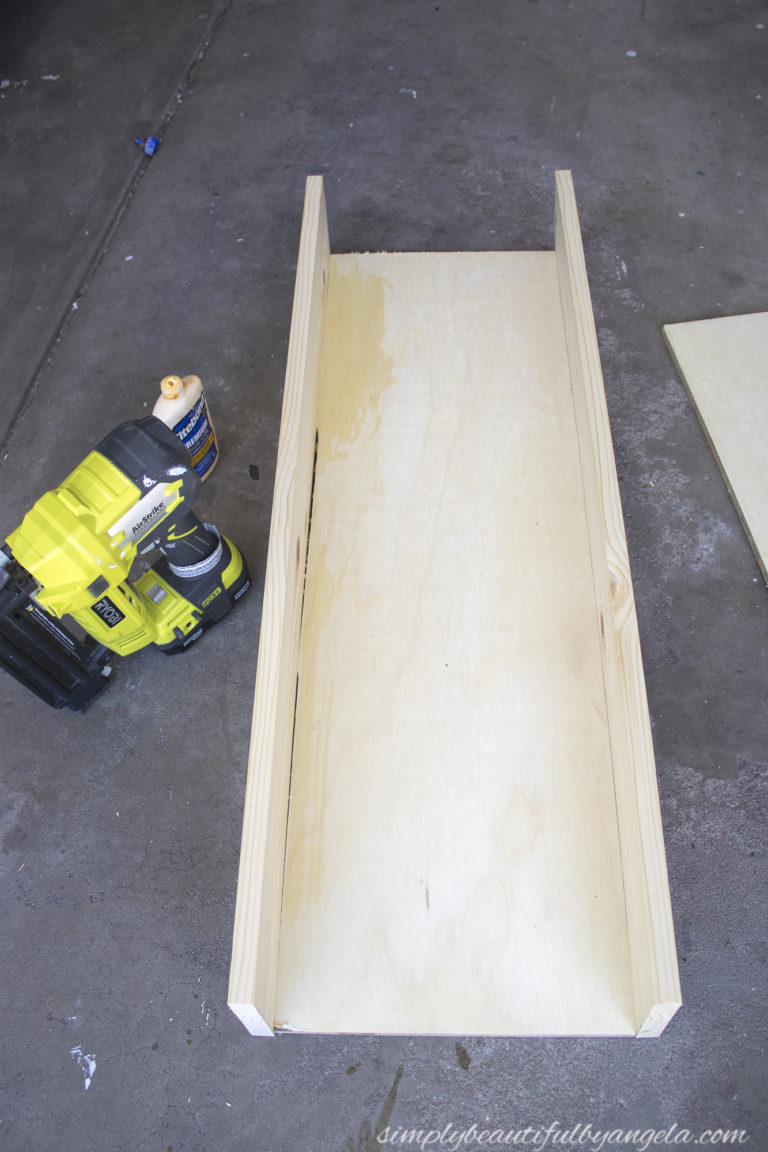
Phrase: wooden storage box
(451,817)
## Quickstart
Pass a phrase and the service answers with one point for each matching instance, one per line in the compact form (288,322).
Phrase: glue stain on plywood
(355,377)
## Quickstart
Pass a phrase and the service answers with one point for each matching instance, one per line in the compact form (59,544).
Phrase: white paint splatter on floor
(86,1062)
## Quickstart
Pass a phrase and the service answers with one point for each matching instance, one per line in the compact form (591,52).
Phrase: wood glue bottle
(182,406)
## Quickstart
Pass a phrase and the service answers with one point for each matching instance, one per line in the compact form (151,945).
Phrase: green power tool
(74,550)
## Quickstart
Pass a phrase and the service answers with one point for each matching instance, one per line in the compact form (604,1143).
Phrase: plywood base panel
(453,860)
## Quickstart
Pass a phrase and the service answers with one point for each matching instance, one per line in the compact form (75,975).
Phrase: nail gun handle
(188,541)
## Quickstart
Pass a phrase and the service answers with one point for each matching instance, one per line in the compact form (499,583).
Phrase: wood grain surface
(453,859)
(253,971)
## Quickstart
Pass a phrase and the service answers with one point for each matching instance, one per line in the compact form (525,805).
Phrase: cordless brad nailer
(73,552)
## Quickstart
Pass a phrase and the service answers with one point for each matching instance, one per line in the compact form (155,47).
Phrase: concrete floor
(437,125)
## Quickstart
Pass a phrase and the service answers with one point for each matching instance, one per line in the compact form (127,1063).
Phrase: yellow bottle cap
(171,386)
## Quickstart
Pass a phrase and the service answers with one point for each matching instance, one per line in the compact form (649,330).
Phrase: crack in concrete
(110,228)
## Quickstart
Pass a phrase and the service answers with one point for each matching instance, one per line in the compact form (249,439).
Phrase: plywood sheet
(453,860)
(724,364)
